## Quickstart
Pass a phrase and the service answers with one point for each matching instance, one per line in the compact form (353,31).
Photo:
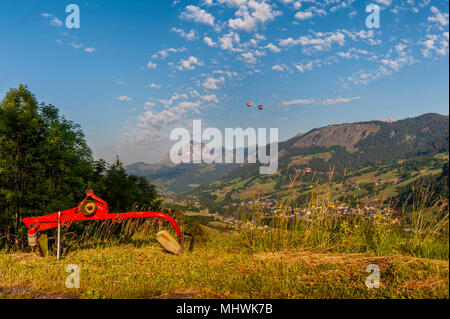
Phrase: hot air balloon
(260,107)
(249,104)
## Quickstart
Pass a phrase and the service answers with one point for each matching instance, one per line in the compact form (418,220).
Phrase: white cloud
(124,98)
(149,104)
(153,126)
(212,83)
(397,64)
(89,50)
(166,52)
(318,41)
(303,15)
(259,37)
(209,41)
(364,77)
(248,57)
(297,102)
(168,103)
(272,47)
(438,17)
(280,68)
(327,102)
(397,57)
(56,22)
(198,15)
(346,55)
(189,64)
(346,4)
(400,48)
(76,45)
(437,44)
(251,15)
(229,74)
(304,67)
(339,100)
(188,36)
(151,65)
(386,3)
(353,53)
(233,3)
(363,35)
(230,41)
(155,86)
(186,106)
(210,98)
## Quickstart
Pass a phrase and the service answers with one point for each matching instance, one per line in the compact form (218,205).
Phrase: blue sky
(134,70)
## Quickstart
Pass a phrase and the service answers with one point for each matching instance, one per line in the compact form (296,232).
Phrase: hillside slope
(352,146)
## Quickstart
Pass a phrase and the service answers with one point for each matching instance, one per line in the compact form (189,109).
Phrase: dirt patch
(26,292)
(44,295)
(189,293)
(420,284)
(15,292)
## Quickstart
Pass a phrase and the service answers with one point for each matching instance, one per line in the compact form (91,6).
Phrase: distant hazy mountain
(170,177)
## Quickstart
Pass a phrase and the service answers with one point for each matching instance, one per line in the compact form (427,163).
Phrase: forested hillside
(348,147)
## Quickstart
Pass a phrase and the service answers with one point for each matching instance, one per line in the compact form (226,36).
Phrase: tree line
(46,166)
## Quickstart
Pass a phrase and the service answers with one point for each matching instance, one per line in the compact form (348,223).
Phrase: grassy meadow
(322,255)
(220,268)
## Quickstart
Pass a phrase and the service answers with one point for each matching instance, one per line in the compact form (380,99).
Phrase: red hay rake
(94,208)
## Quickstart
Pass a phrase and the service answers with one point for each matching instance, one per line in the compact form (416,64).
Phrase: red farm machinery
(93,208)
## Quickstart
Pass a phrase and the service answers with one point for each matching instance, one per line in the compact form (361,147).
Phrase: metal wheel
(88,208)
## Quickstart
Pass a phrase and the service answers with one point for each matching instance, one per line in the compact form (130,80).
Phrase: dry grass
(220,268)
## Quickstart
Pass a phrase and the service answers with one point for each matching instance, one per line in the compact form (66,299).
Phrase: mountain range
(342,148)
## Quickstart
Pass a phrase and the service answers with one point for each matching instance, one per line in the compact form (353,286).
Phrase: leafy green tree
(122,191)
(46,165)
(21,129)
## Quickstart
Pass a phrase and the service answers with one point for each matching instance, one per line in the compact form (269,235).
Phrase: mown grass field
(323,254)
(219,268)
